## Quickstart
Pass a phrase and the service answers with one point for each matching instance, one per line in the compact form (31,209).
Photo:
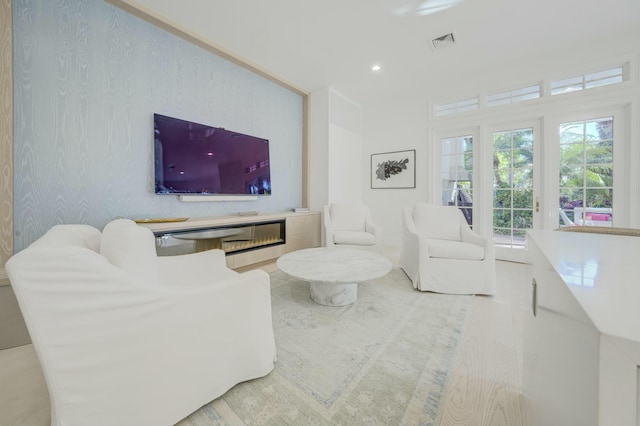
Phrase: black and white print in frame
(393,170)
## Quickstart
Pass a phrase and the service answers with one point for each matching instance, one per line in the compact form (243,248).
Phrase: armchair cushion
(347,217)
(85,236)
(131,248)
(354,237)
(194,269)
(446,249)
(437,223)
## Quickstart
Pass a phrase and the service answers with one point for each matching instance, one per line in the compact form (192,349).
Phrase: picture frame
(393,170)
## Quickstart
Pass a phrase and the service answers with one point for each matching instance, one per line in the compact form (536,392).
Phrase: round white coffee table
(334,273)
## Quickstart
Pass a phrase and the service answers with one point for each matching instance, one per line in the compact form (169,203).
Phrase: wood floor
(484,387)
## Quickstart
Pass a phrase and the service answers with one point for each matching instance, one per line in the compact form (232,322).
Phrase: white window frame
(511,254)
(435,186)
(621,161)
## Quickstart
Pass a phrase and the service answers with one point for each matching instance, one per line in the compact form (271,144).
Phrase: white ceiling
(314,44)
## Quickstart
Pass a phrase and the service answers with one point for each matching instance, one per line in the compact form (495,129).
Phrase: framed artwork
(391,170)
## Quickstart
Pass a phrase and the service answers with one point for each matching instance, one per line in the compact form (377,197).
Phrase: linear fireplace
(233,239)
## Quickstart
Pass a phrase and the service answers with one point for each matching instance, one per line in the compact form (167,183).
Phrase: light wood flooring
(484,387)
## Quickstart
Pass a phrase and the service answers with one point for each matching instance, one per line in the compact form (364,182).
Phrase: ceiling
(315,44)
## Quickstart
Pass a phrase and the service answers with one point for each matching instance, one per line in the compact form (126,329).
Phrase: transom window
(513,96)
(456,107)
(567,85)
(587,81)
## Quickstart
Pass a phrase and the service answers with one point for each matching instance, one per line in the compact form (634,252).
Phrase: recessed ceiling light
(376,68)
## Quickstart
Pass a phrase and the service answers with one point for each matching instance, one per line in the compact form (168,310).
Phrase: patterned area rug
(383,360)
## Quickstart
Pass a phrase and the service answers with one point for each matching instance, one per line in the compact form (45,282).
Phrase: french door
(576,173)
(516,172)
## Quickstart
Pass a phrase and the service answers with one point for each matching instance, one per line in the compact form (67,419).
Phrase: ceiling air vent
(443,41)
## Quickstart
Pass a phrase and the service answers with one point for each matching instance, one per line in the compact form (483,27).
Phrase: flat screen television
(192,158)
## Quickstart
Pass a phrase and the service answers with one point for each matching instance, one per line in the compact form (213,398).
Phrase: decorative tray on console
(161,220)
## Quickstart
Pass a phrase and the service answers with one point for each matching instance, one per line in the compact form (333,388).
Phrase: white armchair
(350,225)
(128,338)
(440,253)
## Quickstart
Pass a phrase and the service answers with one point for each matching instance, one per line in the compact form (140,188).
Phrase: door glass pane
(456,170)
(523,198)
(586,173)
(512,186)
(502,198)
(599,153)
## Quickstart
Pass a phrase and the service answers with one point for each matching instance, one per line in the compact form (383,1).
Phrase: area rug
(383,360)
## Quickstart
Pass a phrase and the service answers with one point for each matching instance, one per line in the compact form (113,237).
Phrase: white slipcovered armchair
(128,338)
(440,253)
(349,225)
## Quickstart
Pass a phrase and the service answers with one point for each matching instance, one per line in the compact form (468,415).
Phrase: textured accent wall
(88,77)
(6,134)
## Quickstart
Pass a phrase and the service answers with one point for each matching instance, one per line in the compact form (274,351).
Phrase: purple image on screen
(192,158)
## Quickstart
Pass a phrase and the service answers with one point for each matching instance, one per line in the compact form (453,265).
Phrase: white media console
(247,239)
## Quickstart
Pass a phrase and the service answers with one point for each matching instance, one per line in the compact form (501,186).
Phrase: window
(513,96)
(587,81)
(456,107)
(581,82)
(457,174)
(586,172)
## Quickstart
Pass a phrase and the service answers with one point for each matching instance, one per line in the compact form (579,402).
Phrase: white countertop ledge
(602,272)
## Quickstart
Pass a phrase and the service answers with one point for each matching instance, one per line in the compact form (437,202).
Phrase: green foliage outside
(586,164)
(512,180)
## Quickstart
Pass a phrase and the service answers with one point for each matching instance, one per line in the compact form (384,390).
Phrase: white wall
(345,165)
(335,149)
(394,126)
(318,148)
(345,149)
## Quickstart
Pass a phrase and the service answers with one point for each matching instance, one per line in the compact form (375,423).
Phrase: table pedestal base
(330,294)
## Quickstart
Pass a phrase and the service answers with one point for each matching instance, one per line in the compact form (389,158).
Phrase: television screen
(192,158)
